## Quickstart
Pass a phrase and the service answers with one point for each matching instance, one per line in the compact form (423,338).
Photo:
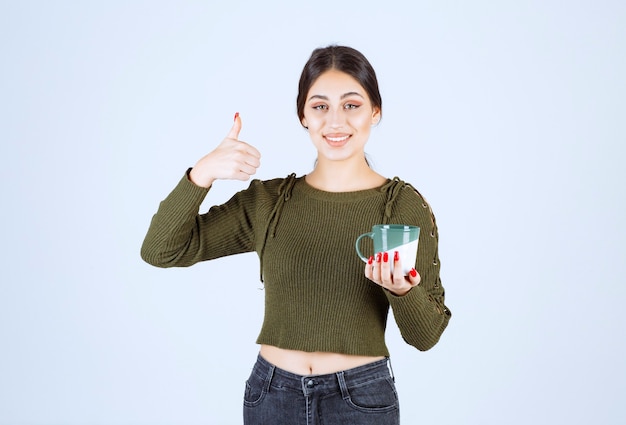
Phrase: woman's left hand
(378,270)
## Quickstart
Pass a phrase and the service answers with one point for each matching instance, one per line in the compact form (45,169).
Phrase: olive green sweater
(316,295)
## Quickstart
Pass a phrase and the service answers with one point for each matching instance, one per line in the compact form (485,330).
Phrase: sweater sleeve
(421,314)
(179,236)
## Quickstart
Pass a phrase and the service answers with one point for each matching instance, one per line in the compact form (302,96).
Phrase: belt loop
(342,385)
(393,377)
(268,379)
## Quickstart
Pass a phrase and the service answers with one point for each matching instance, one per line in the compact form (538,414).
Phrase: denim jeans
(361,396)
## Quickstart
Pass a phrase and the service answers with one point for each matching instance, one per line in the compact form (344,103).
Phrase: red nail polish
(385,257)
(371,260)
(378,257)
(413,273)
(236,115)
(396,256)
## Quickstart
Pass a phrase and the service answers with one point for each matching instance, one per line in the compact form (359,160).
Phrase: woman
(323,356)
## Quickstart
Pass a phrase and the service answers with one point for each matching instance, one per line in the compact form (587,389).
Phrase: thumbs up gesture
(232,159)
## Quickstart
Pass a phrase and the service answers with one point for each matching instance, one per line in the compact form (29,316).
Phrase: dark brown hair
(344,59)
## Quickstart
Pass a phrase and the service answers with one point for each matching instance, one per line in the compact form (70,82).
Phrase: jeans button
(310,383)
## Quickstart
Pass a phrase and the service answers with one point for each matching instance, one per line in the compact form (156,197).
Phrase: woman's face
(339,116)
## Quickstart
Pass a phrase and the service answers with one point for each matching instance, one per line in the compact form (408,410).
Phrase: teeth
(337,139)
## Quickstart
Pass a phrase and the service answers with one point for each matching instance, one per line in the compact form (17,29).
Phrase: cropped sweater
(317,297)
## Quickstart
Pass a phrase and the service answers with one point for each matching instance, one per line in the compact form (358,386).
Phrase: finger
(247,151)
(236,128)
(368,268)
(251,150)
(247,169)
(385,270)
(398,276)
(376,268)
(414,277)
(241,176)
(252,161)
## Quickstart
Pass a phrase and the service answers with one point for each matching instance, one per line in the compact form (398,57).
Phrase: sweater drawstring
(284,194)
(393,189)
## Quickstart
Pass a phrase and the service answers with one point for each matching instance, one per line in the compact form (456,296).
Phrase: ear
(304,123)
(376,116)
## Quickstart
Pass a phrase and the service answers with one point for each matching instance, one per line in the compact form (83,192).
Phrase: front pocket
(255,390)
(374,396)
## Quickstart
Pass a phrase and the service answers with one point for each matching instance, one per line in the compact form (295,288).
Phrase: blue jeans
(362,396)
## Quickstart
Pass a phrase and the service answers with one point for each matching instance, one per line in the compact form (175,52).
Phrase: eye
(351,106)
(321,107)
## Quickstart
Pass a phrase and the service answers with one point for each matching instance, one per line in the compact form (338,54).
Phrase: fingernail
(413,272)
(396,256)
(236,115)
(385,257)
(378,257)
(371,260)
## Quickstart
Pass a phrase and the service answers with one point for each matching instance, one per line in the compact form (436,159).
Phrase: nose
(337,118)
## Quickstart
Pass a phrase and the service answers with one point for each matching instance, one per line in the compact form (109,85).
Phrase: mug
(393,237)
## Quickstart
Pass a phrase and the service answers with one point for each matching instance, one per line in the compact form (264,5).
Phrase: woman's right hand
(232,159)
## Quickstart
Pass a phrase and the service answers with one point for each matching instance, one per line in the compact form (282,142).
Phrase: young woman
(323,357)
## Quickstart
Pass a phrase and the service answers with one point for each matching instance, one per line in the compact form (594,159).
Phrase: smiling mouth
(337,139)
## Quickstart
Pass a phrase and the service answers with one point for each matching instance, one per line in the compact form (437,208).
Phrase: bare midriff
(316,363)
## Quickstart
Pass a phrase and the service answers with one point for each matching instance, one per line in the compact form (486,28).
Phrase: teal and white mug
(390,238)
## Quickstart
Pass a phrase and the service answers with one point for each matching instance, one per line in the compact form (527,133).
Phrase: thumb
(236,128)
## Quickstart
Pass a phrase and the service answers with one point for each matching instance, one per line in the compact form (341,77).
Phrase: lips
(337,139)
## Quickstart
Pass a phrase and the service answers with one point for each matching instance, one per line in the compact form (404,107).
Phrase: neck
(334,176)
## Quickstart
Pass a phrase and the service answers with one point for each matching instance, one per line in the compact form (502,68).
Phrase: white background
(509,116)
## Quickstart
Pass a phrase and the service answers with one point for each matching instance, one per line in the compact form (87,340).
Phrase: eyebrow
(343,96)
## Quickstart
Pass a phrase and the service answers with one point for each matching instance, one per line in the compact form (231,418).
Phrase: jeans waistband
(338,381)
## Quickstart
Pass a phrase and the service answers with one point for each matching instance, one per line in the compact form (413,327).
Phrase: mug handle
(357,243)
